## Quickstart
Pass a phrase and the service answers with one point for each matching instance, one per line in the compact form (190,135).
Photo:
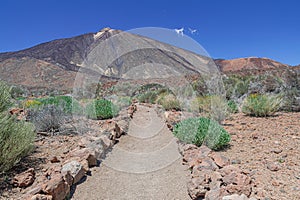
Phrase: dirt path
(145,164)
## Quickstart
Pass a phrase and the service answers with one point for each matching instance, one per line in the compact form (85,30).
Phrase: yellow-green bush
(215,107)
(201,104)
(260,105)
(16,137)
(169,101)
(31,103)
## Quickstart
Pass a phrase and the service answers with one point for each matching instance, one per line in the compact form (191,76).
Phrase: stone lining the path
(213,177)
(58,181)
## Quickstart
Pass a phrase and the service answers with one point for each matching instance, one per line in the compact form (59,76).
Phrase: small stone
(235,161)
(207,163)
(66,151)
(25,178)
(54,159)
(254,135)
(214,194)
(204,150)
(219,159)
(296,189)
(275,183)
(277,151)
(273,166)
(282,190)
(41,197)
(235,197)
(252,198)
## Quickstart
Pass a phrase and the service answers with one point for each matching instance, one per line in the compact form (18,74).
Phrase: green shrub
(68,103)
(16,137)
(261,105)
(5,97)
(232,106)
(202,130)
(101,109)
(16,141)
(16,92)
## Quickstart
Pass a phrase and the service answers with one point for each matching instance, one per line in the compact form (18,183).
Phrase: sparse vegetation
(260,105)
(48,118)
(168,101)
(123,101)
(202,130)
(16,137)
(291,99)
(148,97)
(215,107)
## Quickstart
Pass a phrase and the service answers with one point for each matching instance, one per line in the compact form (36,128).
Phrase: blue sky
(225,28)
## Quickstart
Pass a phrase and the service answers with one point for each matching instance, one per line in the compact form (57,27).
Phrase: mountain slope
(55,64)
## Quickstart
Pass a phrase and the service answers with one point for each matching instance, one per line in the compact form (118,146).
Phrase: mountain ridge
(55,63)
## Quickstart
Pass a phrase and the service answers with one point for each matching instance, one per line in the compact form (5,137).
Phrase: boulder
(57,187)
(76,170)
(88,154)
(99,147)
(113,128)
(68,178)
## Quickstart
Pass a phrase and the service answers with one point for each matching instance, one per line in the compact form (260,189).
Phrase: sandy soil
(270,149)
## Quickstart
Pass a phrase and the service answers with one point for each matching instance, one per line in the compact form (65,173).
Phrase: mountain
(55,64)
(251,63)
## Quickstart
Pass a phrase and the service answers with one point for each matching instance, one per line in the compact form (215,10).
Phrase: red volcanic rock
(250,63)
(25,178)
(57,187)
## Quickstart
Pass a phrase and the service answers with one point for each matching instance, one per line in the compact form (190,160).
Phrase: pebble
(277,151)
(273,166)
